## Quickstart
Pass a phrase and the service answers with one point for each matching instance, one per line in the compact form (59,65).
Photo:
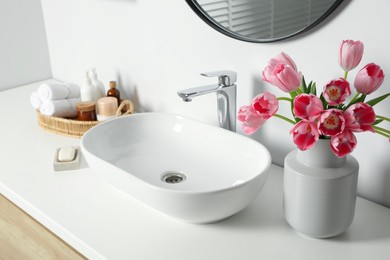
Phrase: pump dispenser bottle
(97,83)
(87,90)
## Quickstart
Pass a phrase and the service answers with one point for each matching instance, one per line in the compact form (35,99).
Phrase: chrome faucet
(226,96)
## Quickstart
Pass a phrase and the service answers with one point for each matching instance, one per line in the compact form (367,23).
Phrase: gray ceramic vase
(319,191)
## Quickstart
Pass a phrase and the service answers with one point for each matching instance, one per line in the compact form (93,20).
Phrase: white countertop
(104,223)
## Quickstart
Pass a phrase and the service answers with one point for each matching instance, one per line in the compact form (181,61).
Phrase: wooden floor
(21,237)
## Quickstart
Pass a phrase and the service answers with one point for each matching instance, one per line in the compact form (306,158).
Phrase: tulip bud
(282,73)
(369,79)
(350,55)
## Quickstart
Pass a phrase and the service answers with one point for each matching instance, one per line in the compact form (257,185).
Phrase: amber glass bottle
(114,92)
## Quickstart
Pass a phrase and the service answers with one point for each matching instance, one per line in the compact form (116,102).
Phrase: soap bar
(67,158)
(66,154)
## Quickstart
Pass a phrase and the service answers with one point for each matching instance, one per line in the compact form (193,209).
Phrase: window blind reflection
(265,19)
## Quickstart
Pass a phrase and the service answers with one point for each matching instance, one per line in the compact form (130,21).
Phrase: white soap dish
(67,158)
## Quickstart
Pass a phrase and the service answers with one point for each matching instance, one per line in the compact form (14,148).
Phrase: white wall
(155,48)
(24,55)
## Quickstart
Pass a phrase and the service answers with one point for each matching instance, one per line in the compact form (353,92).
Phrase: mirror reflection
(263,20)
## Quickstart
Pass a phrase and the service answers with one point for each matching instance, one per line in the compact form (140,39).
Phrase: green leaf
(341,107)
(313,89)
(324,103)
(353,100)
(309,87)
(375,101)
(303,85)
(361,98)
(377,121)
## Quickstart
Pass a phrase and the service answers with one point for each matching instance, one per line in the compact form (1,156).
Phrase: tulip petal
(343,144)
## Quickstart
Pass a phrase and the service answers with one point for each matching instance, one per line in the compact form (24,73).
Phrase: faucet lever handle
(225,77)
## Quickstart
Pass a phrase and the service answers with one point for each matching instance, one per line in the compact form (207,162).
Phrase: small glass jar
(86,111)
(107,108)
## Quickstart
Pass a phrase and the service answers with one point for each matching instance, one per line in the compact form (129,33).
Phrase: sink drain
(173,177)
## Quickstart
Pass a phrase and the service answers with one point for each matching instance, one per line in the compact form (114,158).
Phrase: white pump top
(96,83)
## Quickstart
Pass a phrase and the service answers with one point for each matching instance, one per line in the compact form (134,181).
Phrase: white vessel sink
(186,169)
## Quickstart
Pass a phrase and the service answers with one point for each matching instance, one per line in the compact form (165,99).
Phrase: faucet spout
(226,92)
(190,93)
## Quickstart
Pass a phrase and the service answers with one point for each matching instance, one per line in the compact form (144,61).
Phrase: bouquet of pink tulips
(327,116)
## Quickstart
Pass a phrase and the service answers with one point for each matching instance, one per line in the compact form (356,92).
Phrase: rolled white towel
(74,90)
(35,100)
(60,108)
(55,91)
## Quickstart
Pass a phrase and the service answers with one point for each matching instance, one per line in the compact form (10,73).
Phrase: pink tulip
(359,117)
(369,79)
(266,104)
(331,122)
(255,115)
(336,91)
(283,58)
(250,119)
(282,73)
(343,143)
(350,55)
(305,134)
(307,107)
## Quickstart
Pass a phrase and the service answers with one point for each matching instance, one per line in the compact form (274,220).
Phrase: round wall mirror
(263,20)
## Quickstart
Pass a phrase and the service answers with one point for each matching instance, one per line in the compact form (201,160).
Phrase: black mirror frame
(211,22)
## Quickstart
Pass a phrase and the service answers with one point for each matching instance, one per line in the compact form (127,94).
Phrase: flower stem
(381,129)
(353,99)
(383,118)
(345,74)
(285,119)
(285,99)
(384,134)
